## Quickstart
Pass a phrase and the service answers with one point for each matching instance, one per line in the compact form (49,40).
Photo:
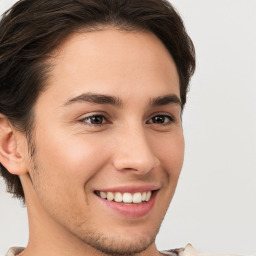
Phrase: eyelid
(93,113)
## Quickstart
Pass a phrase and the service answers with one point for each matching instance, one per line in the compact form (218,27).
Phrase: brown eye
(95,119)
(161,119)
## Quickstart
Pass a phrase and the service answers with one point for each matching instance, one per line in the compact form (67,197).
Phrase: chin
(119,242)
(120,245)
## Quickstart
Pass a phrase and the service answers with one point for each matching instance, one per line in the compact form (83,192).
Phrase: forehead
(112,61)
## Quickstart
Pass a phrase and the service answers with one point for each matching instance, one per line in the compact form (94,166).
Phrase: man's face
(109,124)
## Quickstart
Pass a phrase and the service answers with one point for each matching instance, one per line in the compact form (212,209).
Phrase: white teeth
(148,196)
(136,199)
(103,195)
(126,197)
(144,196)
(110,196)
(118,197)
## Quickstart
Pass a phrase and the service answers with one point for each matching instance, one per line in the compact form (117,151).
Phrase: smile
(129,201)
(126,197)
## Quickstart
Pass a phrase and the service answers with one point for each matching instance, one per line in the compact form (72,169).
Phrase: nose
(133,152)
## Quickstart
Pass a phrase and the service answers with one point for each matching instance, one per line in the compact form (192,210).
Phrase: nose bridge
(134,151)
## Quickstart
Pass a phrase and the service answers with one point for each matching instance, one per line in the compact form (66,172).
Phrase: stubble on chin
(118,245)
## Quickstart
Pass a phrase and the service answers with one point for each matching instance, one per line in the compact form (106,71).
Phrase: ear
(12,148)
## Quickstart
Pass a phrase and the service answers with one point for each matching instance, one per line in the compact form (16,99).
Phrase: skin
(133,143)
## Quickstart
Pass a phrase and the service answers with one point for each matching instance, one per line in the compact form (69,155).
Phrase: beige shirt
(189,250)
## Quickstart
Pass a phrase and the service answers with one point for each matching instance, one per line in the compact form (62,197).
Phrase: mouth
(133,204)
(126,197)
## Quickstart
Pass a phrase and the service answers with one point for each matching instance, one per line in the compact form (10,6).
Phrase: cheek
(65,168)
(71,161)
(175,155)
(170,152)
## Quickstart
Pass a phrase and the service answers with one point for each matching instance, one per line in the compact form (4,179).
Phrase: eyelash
(170,119)
(83,120)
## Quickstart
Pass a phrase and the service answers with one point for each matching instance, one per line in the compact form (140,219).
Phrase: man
(91,98)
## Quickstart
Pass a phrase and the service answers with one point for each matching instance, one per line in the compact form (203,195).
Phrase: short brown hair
(32,29)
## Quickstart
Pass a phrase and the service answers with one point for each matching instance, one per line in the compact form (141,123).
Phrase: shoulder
(14,251)
(189,250)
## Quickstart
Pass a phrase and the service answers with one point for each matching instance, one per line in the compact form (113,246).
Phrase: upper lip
(130,188)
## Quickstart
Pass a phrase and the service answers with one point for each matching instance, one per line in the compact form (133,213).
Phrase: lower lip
(131,210)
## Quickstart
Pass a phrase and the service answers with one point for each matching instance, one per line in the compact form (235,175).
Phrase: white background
(215,203)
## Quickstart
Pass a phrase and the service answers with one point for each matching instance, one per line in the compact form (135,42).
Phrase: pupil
(159,119)
(97,119)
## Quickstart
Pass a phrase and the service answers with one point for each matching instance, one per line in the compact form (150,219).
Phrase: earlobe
(11,155)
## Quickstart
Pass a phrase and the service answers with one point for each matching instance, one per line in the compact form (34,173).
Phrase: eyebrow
(95,98)
(115,101)
(165,100)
